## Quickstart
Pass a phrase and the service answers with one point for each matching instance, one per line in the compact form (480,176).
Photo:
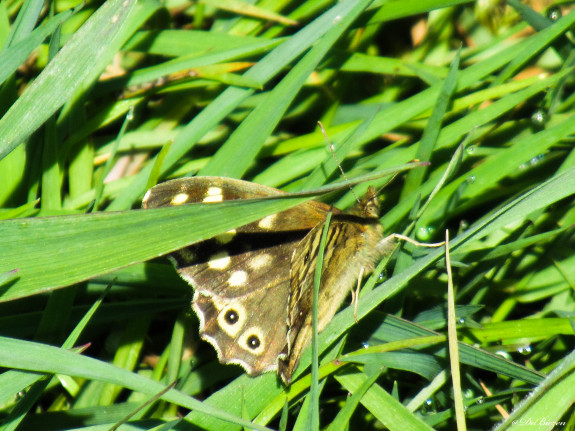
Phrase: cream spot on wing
(214,194)
(179,199)
(226,237)
(260,261)
(231,319)
(219,260)
(252,340)
(267,222)
(238,278)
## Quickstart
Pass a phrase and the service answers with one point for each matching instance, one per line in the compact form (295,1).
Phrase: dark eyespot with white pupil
(232,317)
(253,342)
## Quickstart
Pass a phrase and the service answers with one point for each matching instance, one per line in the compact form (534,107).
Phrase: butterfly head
(368,206)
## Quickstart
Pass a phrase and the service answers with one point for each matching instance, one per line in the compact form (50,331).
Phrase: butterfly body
(254,284)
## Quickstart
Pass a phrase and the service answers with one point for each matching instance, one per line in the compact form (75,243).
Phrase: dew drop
(365,344)
(470,179)
(424,233)
(538,118)
(535,160)
(554,13)
(480,400)
(471,149)
(461,320)
(130,114)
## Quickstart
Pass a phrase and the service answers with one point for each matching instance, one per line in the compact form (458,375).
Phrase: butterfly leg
(416,243)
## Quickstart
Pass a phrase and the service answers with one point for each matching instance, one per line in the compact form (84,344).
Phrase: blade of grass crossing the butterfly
(261,122)
(432,129)
(453,344)
(77,247)
(342,420)
(267,68)
(301,385)
(314,390)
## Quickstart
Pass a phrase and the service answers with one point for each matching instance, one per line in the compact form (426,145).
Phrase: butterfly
(253,286)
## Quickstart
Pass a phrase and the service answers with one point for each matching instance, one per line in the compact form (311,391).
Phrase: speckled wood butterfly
(254,285)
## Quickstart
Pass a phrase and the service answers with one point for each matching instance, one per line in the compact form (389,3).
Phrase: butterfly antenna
(332,149)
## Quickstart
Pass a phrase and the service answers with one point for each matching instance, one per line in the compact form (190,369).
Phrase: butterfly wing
(242,277)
